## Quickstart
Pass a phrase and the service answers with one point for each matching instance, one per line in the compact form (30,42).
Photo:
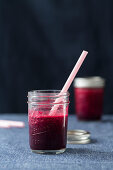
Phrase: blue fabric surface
(16,154)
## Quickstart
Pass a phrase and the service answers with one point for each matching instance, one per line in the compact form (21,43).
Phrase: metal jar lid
(78,137)
(89,82)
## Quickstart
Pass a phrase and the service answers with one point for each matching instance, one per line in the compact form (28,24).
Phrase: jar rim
(89,82)
(47,93)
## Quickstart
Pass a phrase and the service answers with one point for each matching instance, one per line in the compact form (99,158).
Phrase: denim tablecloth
(15,152)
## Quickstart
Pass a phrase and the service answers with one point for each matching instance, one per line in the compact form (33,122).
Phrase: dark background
(41,40)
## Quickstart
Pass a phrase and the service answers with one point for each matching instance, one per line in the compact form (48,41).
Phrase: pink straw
(70,78)
(10,123)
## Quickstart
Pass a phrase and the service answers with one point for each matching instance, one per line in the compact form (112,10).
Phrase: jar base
(49,151)
(89,119)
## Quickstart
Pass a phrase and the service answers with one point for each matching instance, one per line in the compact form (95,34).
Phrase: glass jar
(48,130)
(89,93)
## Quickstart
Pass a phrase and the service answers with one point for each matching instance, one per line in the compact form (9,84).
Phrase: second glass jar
(89,93)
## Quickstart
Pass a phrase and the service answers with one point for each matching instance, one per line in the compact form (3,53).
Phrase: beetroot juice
(47,132)
(89,93)
(89,103)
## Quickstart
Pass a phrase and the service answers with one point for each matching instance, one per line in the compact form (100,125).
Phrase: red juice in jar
(89,94)
(47,132)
